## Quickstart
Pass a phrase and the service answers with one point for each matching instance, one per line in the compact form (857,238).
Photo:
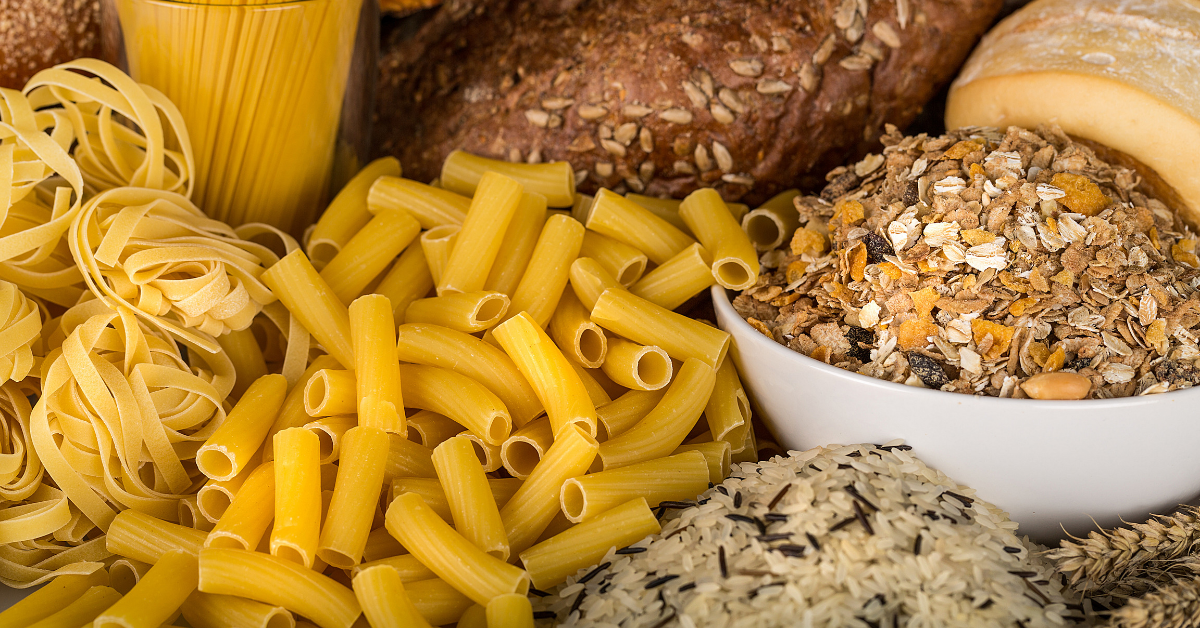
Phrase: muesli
(1006,263)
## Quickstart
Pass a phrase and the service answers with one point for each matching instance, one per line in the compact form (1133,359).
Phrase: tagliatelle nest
(159,255)
(122,413)
(20,330)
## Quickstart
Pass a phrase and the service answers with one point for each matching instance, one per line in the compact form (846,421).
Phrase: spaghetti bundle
(157,254)
(260,86)
(122,413)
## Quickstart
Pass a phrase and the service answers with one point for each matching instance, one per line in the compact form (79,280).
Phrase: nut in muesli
(977,261)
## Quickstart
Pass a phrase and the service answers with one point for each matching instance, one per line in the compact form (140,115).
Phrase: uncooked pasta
(260,86)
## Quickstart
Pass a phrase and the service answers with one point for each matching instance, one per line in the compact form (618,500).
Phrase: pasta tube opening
(330,392)
(734,272)
(591,344)
(764,228)
(574,500)
(124,573)
(637,367)
(215,463)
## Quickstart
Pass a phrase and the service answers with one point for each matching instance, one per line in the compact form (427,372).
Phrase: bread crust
(750,97)
(37,34)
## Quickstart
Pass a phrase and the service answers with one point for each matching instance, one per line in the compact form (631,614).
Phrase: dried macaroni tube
(369,252)
(355,496)
(551,561)
(536,503)
(229,450)
(157,596)
(468,312)
(678,279)
(574,332)
(297,525)
(673,478)
(774,222)
(306,295)
(557,385)
(245,521)
(735,260)
(385,604)
(432,207)
(376,371)
(625,221)
(643,322)
(519,242)
(492,208)
(348,212)
(463,173)
(278,582)
(624,262)
(472,505)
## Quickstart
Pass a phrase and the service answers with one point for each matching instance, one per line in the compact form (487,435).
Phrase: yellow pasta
(728,409)
(589,280)
(306,295)
(297,525)
(355,497)
(522,452)
(407,459)
(547,273)
(613,389)
(623,412)
(157,596)
(467,312)
(293,412)
(574,332)
(492,207)
(474,617)
(329,432)
(406,566)
(227,452)
(141,537)
(637,367)
(437,601)
(519,241)
(596,393)
(245,521)
(348,212)
(534,505)
(331,392)
(431,429)
(673,478)
(774,222)
(453,558)
(431,206)
(461,398)
(437,244)
(469,356)
(463,173)
(430,489)
(661,431)
(510,611)
(49,599)
(748,451)
(668,209)
(625,262)
(582,207)
(472,506)
(247,357)
(551,561)
(680,278)
(488,454)
(408,279)
(277,582)
(78,612)
(124,573)
(385,604)
(381,544)
(557,386)
(625,221)
(209,610)
(716,455)
(376,371)
(643,322)
(735,260)
(369,252)
(190,515)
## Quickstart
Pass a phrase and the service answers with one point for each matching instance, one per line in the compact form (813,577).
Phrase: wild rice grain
(815,568)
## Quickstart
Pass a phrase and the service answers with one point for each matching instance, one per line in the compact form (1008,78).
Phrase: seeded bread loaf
(36,34)
(662,97)
(1122,74)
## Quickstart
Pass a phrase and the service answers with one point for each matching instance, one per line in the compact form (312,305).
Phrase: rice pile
(858,536)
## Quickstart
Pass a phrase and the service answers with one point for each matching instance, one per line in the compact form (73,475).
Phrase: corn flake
(914,333)
(858,262)
(1020,306)
(807,240)
(975,237)
(1082,194)
(924,301)
(795,271)
(1002,336)
(1055,361)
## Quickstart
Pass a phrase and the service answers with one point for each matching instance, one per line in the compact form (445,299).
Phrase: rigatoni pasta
(348,212)
(644,322)
(463,172)
(453,558)
(535,504)
(519,241)
(774,222)
(472,506)
(551,561)
(376,372)
(369,252)
(468,312)
(637,367)
(522,451)
(678,279)
(676,477)
(431,206)
(157,596)
(331,392)
(509,611)
(492,208)
(546,275)
(309,298)
(574,332)
(735,260)
(355,497)
(558,387)
(210,610)
(625,262)
(589,280)
(380,593)
(625,221)
(278,582)
(458,397)
(227,452)
(437,244)
(297,525)
(406,281)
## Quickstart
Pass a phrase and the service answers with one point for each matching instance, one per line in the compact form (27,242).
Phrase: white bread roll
(1124,74)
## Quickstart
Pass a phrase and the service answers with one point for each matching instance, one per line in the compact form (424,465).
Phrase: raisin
(1176,372)
(840,186)
(859,337)
(928,369)
(877,248)
(1077,364)
(912,194)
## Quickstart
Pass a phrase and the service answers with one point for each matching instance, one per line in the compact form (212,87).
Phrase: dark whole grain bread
(664,96)
(37,34)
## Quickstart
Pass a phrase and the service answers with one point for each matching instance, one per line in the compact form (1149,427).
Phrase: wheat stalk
(1175,605)
(1128,561)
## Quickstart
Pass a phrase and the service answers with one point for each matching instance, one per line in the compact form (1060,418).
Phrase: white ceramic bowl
(1050,464)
